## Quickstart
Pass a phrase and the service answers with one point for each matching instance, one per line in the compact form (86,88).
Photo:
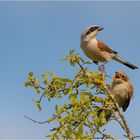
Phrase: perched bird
(121,89)
(96,50)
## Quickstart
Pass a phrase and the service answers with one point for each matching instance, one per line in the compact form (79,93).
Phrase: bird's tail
(117,58)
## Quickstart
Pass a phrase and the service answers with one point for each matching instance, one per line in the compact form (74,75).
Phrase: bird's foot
(101,68)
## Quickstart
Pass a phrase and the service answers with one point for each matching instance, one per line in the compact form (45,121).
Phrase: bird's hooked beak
(100,29)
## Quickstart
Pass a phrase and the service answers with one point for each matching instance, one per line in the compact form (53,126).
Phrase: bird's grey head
(90,32)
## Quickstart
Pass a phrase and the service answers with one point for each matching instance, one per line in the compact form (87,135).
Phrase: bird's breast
(92,50)
(120,93)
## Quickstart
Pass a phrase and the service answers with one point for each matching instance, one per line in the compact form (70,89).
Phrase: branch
(125,125)
(82,78)
(35,120)
(120,122)
(107,136)
(41,96)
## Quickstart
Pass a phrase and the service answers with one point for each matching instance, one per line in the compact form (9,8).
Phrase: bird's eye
(123,76)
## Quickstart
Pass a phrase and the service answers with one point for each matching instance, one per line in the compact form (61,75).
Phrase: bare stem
(43,122)
(125,125)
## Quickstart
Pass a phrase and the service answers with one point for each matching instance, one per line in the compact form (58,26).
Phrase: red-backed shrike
(96,50)
(121,89)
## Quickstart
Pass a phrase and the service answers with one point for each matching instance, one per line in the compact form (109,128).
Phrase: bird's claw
(101,68)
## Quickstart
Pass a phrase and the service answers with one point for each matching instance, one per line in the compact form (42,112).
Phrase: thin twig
(107,136)
(80,66)
(41,96)
(35,120)
(117,118)
(127,129)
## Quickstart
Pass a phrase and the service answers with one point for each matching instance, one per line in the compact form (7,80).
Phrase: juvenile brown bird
(97,51)
(122,89)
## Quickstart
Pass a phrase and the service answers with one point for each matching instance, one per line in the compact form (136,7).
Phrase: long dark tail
(117,58)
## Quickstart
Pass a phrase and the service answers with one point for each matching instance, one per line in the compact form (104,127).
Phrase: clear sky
(34,35)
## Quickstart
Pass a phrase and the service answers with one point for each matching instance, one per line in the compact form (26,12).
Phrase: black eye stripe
(88,32)
(91,30)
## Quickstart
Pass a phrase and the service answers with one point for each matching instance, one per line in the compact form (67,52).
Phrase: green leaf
(76,134)
(56,108)
(44,75)
(31,74)
(26,84)
(65,58)
(82,97)
(72,51)
(45,82)
(51,119)
(103,122)
(70,90)
(37,104)
(62,107)
(37,90)
(102,114)
(73,96)
(64,79)
(80,129)
(87,62)
(98,99)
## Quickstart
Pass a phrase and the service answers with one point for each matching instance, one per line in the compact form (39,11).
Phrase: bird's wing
(104,47)
(130,95)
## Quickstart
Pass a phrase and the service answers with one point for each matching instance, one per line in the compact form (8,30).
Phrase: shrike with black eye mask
(97,51)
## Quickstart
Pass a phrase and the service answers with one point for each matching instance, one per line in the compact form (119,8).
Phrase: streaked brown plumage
(122,89)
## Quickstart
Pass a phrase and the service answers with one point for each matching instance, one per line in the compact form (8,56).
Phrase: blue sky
(34,35)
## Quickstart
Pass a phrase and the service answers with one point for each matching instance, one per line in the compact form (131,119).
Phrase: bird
(122,91)
(98,51)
